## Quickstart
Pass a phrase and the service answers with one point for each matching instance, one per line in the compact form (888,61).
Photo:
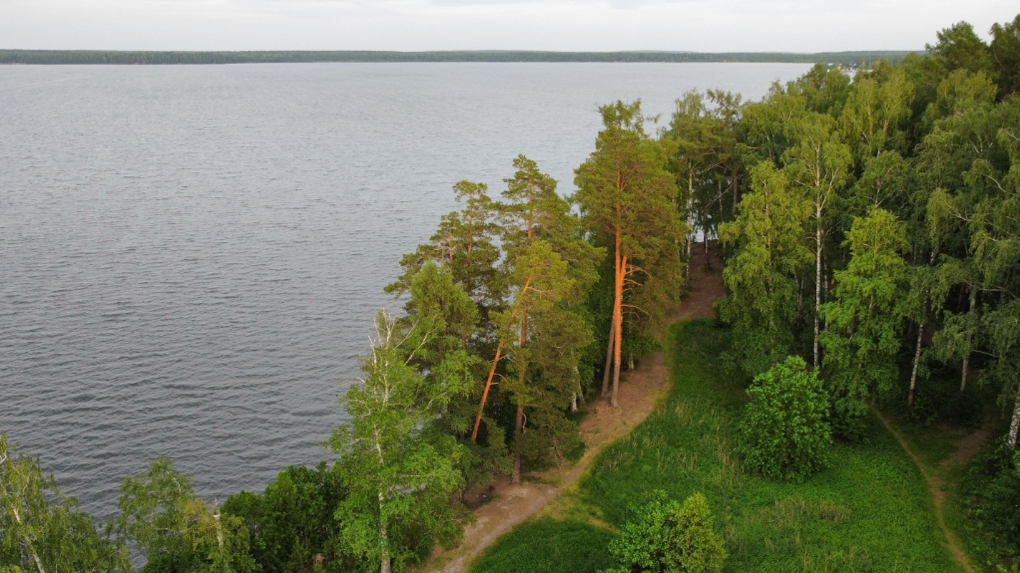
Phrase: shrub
(669,537)
(992,490)
(785,433)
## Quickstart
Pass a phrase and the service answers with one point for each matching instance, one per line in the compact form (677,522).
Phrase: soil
(965,450)
(640,390)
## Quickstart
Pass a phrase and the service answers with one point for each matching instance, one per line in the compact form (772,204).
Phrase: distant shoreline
(112,57)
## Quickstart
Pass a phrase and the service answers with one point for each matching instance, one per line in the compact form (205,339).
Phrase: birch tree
(42,531)
(401,471)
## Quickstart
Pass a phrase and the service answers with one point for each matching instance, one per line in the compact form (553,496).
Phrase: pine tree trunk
(608,371)
(618,322)
(913,372)
(485,393)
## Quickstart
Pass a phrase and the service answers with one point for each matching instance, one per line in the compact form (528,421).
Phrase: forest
(869,232)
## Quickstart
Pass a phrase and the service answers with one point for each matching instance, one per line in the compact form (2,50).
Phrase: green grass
(544,545)
(869,512)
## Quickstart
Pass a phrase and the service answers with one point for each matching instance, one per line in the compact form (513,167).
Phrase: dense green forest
(262,57)
(870,232)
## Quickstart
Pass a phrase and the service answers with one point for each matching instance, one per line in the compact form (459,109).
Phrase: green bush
(785,434)
(292,520)
(992,489)
(669,537)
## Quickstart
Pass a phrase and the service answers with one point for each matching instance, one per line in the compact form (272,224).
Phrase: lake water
(191,257)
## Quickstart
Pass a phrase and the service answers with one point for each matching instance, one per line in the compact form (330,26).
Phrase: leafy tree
(785,432)
(769,263)
(400,470)
(626,199)
(292,520)
(877,106)
(818,164)
(1005,53)
(667,537)
(764,127)
(693,140)
(825,89)
(177,531)
(960,48)
(865,326)
(42,531)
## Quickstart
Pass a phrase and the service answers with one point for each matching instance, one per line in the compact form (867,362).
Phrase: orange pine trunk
(495,361)
(621,265)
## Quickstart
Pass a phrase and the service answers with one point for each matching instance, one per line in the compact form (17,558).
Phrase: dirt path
(639,392)
(966,448)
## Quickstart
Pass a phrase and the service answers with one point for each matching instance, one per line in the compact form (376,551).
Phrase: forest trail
(640,389)
(966,448)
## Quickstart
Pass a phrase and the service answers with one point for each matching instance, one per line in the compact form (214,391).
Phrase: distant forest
(259,57)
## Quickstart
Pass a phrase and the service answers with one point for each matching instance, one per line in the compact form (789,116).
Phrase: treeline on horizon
(131,57)
(870,228)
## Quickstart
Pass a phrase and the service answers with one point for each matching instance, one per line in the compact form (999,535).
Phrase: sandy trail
(640,389)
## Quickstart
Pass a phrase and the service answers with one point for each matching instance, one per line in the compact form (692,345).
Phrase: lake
(191,257)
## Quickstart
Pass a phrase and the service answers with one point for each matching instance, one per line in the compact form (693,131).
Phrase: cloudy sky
(589,25)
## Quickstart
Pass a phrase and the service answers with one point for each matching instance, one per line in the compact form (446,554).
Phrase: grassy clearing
(870,511)
(544,545)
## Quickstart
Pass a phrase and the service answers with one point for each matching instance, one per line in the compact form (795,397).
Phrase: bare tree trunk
(818,281)
(690,222)
(17,518)
(384,542)
(736,191)
(966,359)
(607,373)
(1014,425)
(518,432)
(913,371)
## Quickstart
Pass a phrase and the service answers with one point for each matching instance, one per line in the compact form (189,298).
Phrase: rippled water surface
(191,257)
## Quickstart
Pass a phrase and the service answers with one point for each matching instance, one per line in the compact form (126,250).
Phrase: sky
(561,25)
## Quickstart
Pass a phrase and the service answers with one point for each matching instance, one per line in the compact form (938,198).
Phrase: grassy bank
(870,511)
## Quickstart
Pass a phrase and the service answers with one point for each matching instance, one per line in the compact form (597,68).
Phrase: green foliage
(400,471)
(762,302)
(544,333)
(669,537)
(41,530)
(869,511)
(785,431)
(960,48)
(864,326)
(1005,51)
(177,531)
(546,546)
(992,490)
(626,198)
(292,520)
